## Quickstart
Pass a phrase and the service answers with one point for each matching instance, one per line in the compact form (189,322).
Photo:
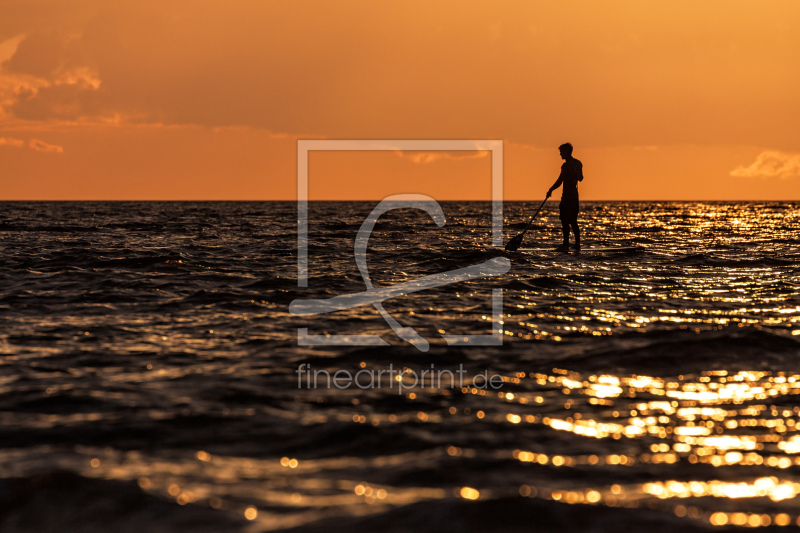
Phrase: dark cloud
(40,54)
(61,102)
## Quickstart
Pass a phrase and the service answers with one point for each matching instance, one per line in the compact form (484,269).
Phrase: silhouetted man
(571,174)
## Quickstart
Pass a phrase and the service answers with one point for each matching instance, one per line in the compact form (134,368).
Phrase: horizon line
(379,199)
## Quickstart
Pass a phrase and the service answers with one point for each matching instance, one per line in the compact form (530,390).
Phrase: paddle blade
(515,243)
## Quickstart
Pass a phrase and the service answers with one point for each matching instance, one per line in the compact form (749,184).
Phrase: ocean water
(151,377)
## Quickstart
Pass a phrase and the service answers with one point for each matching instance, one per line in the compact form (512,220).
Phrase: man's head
(565,150)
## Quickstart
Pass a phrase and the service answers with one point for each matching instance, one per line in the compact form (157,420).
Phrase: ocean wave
(58,500)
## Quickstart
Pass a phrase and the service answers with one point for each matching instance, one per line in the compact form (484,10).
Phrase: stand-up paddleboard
(586,250)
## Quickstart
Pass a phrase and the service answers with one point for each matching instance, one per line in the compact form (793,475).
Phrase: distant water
(148,371)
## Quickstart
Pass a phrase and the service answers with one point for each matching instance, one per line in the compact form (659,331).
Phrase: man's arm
(557,184)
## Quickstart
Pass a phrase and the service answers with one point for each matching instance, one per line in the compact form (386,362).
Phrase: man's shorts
(568,210)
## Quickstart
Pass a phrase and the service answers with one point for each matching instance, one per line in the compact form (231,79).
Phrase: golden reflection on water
(720,447)
(721,419)
(667,432)
(597,321)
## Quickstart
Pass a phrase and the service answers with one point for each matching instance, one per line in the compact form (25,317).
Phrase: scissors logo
(376,296)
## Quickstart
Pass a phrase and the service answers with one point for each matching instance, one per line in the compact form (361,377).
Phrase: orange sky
(201,99)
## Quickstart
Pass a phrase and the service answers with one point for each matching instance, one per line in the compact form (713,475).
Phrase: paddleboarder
(571,174)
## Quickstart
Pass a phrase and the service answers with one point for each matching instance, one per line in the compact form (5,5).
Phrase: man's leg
(577,231)
(565,230)
(574,223)
(563,214)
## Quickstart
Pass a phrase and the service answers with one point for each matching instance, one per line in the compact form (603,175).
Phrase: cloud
(42,146)
(64,102)
(33,144)
(430,157)
(39,54)
(9,141)
(47,77)
(771,164)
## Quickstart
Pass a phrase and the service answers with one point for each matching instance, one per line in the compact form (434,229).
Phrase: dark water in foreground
(148,371)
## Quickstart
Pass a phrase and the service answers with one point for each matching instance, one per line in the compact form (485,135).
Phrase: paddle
(514,243)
